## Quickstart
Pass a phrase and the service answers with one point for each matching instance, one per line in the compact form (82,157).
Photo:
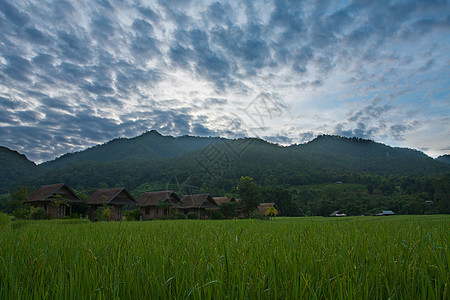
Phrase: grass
(400,257)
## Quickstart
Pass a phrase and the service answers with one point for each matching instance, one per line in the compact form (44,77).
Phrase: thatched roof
(220,200)
(197,201)
(45,192)
(262,208)
(155,198)
(118,196)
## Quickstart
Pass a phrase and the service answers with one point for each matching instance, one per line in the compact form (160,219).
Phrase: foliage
(249,193)
(192,216)
(216,215)
(229,209)
(5,222)
(289,258)
(38,213)
(22,213)
(271,211)
(104,213)
(133,214)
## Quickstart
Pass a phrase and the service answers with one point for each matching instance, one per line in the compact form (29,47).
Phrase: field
(400,257)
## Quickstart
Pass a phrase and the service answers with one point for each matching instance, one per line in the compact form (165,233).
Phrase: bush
(216,215)
(103,213)
(192,216)
(179,216)
(22,213)
(133,214)
(5,222)
(38,213)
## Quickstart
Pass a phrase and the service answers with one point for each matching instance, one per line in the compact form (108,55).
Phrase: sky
(74,74)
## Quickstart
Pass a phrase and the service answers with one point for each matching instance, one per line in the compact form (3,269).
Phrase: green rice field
(399,257)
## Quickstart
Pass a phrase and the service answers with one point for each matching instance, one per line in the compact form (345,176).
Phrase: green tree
(249,193)
(229,209)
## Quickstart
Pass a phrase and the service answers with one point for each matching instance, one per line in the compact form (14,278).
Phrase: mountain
(216,164)
(444,158)
(13,167)
(150,145)
(360,155)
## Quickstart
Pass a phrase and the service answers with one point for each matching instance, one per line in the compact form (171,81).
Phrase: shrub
(216,215)
(38,213)
(192,216)
(179,216)
(103,213)
(133,214)
(22,213)
(5,222)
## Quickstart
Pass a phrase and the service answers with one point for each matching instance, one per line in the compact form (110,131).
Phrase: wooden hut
(55,199)
(197,204)
(158,204)
(220,200)
(117,198)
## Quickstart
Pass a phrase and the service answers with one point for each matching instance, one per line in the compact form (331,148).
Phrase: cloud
(106,69)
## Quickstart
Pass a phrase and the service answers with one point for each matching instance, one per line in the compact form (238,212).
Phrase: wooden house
(197,204)
(158,204)
(117,198)
(55,199)
(220,200)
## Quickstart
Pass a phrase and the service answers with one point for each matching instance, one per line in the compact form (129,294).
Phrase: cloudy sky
(77,73)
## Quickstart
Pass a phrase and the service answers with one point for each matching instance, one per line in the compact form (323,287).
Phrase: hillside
(13,168)
(444,158)
(150,145)
(215,164)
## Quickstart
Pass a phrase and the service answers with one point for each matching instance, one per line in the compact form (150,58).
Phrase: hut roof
(197,201)
(154,198)
(46,191)
(263,207)
(387,212)
(111,196)
(220,200)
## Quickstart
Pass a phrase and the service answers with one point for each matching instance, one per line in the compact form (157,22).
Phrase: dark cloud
(34,35)
(13,14)
(17,68)
(74,47)
(306,136)
(66,65)
(8,104)
(278,139)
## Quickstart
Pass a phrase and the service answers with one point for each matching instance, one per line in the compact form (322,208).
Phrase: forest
(354,176)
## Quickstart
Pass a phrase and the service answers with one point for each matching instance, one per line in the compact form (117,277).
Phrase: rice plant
(401,257)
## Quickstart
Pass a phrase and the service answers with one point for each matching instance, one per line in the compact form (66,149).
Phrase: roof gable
(198,201)
(220,200)
(155,198)
(111,196)
(43,193)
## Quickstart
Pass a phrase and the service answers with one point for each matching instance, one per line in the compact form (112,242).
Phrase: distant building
(117,198)
(158,204)
(337,214)
(197,204)
(55,199)
(385,213)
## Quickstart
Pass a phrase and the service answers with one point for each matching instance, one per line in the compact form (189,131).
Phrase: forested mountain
(13,168)
(444,158)
(150,145)
(220,163)
(374,175)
